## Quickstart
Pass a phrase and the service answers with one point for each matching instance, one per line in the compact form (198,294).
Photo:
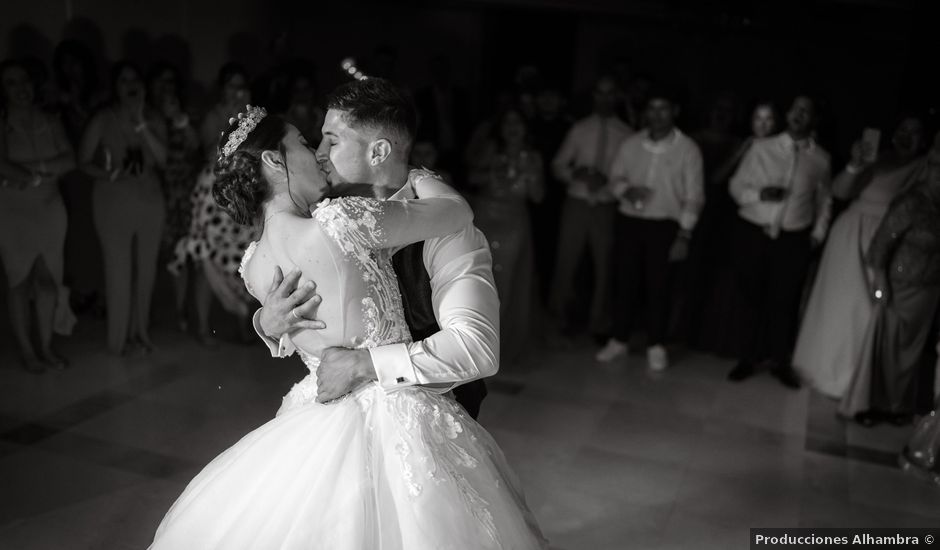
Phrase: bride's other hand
(341,371)
(288,307)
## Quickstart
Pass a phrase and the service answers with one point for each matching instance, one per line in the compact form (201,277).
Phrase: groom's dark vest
(415,285)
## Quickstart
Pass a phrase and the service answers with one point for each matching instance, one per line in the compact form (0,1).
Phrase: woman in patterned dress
(179,175)
(34,152)
(214,244)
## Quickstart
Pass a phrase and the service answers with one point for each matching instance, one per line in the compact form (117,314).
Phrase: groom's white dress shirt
(466,307)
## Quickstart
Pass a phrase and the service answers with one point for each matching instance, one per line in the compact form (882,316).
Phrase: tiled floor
(611,457)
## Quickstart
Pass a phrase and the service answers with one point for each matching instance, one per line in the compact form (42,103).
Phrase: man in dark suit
(446,283)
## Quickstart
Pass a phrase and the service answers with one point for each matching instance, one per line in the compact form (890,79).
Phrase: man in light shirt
(657,178)
(782,191)
(582,164)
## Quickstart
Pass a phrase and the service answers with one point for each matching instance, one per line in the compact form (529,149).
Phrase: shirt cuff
(393,368)
(278,348)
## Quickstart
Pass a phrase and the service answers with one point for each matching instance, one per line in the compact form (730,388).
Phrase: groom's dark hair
(380,104)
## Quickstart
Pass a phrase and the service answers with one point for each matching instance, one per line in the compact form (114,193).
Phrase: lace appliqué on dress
(353,224)
(431,435)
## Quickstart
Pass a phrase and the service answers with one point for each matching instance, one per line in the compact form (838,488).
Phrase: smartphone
(872,138)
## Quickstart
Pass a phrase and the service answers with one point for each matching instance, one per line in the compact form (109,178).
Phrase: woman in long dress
(905,259)
(403,470)
(829,344)
(506,176)
(34,153)
(122,149)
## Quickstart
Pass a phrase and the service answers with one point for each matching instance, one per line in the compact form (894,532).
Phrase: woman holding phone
(830,338)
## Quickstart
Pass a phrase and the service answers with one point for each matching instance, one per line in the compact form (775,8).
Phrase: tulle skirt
(407,470)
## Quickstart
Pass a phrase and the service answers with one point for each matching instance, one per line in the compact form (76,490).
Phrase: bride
(404,470)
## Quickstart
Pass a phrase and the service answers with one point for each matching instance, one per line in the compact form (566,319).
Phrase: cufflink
(400,380)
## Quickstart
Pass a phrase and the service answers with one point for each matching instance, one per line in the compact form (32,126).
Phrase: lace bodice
(347,252)
(352,223)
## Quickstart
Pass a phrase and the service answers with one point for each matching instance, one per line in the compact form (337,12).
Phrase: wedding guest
(179,174)
(549,128)
(76,73)
(214,244)
(921,455)
(34,153)
(507,176)
(583,166)
(303,105)
(708,246)
(443,107)
(829,344)
(782,192)
(904,256)
(717,328)
(657,178)
(424,154)
(122,149)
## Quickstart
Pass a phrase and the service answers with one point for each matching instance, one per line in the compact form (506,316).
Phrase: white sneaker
(614,349)
(657,358)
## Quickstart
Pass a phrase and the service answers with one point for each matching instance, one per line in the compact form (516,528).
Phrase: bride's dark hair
(240,189)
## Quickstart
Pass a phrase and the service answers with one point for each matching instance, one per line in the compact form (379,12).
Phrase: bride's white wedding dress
(404,470)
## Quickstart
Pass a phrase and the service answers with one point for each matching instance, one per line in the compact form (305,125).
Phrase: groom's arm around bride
(451,307)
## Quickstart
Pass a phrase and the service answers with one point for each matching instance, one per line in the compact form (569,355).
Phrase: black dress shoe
(741,371)
(787,376)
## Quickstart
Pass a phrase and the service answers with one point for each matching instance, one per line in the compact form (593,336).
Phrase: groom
(446,283)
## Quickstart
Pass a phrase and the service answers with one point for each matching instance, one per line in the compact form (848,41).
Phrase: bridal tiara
(247,122)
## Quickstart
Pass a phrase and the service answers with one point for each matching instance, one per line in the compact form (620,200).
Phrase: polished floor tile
(610,456)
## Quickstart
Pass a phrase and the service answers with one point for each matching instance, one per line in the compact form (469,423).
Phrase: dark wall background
(867,58)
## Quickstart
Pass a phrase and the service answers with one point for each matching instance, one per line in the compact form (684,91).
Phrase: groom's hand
(288,307)
(341,370)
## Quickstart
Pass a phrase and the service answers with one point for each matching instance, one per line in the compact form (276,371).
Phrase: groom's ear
(273,160)
(381,150)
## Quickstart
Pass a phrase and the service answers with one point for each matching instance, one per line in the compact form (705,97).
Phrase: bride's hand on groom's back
(289,307)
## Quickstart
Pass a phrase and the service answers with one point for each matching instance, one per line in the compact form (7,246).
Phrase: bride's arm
(440,211)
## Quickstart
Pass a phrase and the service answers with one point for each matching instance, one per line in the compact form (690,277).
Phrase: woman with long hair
(34,153)
(122,149)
